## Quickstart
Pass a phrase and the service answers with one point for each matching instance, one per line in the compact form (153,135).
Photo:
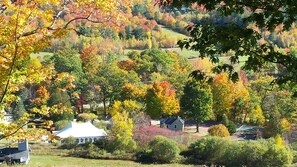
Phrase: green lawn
(60,161)
(48,155)
(170,32)
(184,53)
(41,55)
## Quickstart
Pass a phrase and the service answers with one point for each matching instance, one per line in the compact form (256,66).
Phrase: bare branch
(78,18)
(59,14)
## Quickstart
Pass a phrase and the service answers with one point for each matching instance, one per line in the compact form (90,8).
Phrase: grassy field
(63,161)
(184,53)
(41,55)
(170,32)
(48,155)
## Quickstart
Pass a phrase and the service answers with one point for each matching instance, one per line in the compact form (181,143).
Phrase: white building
(6,118)
(83,132)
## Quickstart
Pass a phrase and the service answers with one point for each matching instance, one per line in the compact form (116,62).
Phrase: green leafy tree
(178,74)
(150,61)
(196,101)
(242,36)
(109,81)
(61,97)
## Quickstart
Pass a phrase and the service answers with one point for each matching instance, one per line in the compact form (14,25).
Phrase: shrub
(69,142)
(231,127)
(294,156)
(219,130)
(123,145)
(164,150)
(144,156)
(86,117)
(229,124)
(102,125)
(205,151)
(277,156)
(223,152)
(293,146)
(102,143)
(252,152)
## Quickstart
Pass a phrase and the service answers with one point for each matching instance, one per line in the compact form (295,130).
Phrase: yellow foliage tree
(160,100)
(222,90)
(122,127)
(29,27)
(256,116)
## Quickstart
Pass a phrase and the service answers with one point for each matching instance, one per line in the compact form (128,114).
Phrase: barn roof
(169,121)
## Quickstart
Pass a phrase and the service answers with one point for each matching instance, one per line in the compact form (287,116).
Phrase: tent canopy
(78,130)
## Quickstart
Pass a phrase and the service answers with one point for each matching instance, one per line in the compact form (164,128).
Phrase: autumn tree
(196,102)
(30,26)
(222,90)
(276,105)
(122,128)
(243,35)
(160,100)
(110,79)
(241,105)
(90,59)
(178,73)
(132,92)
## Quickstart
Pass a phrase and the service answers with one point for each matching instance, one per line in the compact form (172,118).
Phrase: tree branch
(78,18)
(14,132)
(13,60)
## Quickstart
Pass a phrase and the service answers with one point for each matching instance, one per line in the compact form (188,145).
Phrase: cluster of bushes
(206,151)
(293,146)
(160,150)
(222,152)
(105,148)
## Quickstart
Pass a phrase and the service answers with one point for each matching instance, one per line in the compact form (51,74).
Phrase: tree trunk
(197,127)
(104,107)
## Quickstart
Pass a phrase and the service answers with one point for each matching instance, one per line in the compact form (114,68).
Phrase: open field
(184,53)
(41,55)
(48,155)
(63,161)
(170,32)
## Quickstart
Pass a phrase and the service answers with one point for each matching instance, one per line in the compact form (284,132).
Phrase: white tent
(83,132)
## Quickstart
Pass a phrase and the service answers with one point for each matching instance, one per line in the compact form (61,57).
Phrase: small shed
(18,155)
(83,132)
(175,123)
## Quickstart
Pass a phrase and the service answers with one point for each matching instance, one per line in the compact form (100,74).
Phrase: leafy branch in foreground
(243,37)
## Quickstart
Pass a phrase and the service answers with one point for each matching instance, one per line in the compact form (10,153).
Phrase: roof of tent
(86,129)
